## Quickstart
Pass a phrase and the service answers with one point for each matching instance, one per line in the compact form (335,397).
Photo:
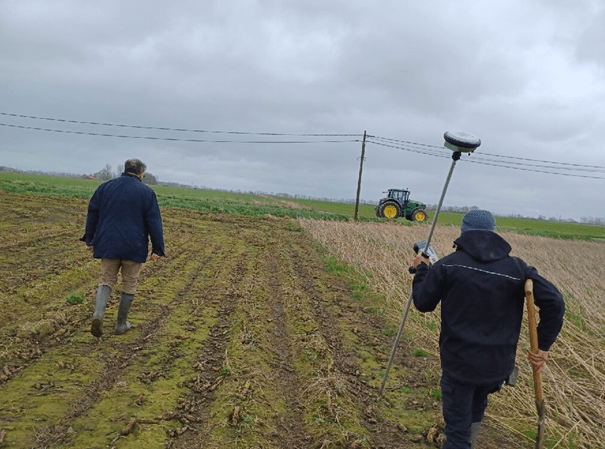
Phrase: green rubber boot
(475,427)
(103,293)
(123,323)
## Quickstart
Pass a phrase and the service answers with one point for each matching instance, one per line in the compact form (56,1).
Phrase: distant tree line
(593,221)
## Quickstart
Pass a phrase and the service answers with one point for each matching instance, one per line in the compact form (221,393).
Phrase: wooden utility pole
(363,153)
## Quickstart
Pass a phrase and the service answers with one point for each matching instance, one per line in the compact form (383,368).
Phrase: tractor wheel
(419,215)
(390,210)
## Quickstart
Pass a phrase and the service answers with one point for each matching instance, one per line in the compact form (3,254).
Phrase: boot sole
(96,328)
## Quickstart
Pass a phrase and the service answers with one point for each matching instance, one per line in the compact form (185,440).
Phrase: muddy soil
(241,338)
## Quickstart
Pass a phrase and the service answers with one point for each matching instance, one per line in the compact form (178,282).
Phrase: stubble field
(251,334)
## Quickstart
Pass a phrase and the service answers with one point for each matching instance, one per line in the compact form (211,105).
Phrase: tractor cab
(402,196)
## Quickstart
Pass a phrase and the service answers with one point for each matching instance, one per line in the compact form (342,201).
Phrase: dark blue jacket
(122,214)
(481,290)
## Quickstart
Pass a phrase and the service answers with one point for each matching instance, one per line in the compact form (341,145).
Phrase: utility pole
(363,152)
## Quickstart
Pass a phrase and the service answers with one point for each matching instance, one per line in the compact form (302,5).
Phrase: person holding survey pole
(481,291)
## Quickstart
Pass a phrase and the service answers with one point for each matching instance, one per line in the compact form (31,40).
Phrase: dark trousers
(463,404)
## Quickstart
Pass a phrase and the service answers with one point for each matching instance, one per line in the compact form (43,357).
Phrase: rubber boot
(475,427)
(103,293)
(123,323)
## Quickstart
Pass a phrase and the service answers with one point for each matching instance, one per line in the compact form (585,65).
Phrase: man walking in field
(481,290)
(122,215)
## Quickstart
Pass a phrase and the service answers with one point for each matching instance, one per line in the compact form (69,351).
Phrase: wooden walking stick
(533,338)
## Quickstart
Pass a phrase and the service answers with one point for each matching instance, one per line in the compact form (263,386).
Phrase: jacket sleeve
(92,218)
(153,220)
(552,309)
(426,288)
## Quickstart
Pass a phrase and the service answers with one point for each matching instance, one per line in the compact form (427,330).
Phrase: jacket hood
(484,246)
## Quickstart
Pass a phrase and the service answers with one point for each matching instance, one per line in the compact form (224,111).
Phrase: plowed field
(241,338)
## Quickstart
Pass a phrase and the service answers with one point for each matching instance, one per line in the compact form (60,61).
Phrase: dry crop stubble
(574,382)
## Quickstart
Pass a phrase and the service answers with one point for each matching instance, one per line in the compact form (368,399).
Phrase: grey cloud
(403,70)
(591,44)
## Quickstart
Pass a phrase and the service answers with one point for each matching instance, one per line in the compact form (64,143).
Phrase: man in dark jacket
(481,290)
(122,214)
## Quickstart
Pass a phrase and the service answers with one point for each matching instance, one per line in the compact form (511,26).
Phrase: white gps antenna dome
(461,141)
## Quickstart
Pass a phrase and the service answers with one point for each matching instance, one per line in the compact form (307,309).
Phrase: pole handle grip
(533,335)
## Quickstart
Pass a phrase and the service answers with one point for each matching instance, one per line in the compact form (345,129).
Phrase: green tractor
(397,204)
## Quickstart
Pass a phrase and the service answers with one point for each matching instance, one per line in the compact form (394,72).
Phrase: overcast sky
(527,77)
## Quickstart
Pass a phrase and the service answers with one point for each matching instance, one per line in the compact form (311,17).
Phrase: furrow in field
(339,393)
(43,283)
(360,349)
(255,403)
(36,318)
(38,238)
(21,271)
(97,370)
(290,427)
(144,396)
(27,219)
(210,366)
(34,315)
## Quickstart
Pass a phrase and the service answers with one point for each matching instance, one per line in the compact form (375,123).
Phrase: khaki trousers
(130,274)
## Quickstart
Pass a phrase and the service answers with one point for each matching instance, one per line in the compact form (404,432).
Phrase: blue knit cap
(478,220)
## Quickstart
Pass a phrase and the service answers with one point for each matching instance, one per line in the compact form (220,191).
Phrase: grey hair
(134,166)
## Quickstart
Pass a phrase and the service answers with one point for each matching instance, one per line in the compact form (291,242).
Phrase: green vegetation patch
(75,298)
(50,187)
(247,208)
(257,205)
(528,226)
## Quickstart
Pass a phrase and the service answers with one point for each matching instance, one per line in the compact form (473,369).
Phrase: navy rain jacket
(122,214)
(481,290)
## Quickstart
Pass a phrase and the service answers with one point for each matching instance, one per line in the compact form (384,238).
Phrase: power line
(491,154)
(536,171)
(415,147)
(78,122)
(174,139)
(406,142)
(548,162)
(411,149)
(484,161)
(569,167)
